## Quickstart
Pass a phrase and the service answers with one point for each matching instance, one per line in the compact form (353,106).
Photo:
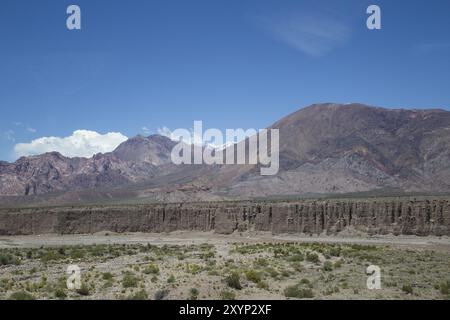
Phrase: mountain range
(324,149)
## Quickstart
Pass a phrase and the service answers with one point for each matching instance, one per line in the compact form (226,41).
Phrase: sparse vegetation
(233,281)
(298,291)
(273,270)
(140,295)
(193,294)
(227,295)
(21,295)
(129,280)
(161,294)
(407,288)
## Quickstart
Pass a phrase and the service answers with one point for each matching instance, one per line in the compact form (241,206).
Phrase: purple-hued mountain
(324,149)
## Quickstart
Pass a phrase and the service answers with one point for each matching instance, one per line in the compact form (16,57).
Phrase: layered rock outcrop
(408,216)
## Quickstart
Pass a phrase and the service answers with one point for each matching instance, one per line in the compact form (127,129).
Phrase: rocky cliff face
(426,216)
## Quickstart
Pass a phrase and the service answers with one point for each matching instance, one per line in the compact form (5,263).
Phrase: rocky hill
(324,149)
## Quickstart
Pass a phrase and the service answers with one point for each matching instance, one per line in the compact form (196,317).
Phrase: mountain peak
(154,149)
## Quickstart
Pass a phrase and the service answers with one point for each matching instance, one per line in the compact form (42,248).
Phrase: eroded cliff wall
(425,216)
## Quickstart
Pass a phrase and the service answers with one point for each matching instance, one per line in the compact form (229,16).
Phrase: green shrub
(151,269)
(7,259)
(253,276)
(338,264)
(77,253)
(407,288)
(306,282)
(21,295)
(140,295)
(233,281)
(60,293)
(107,276)
(312,257)
(271,272)
(327,266)
(261,262)
(296,291)
(296,257)
(171,279)
(193,294)
(227,295)
(444,288)
(335,251)
(129,280)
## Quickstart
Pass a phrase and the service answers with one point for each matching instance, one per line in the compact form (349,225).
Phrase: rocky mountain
(324,149)
(136,160)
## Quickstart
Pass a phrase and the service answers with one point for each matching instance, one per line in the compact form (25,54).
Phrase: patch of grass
(140,295)
(312,257)
(151,269)
(297,291)
(407,288)
(272,272)
(21,295)
(233,281)
(263,285)
(253,276)
(60,293)
(227,295)
(52,256)
(327,266)
(193,294)
(193,268)
(171,279)
(296,257)
(129,280)
(8,259)
(107,276)
(444,288)
(338,264)
(261,262)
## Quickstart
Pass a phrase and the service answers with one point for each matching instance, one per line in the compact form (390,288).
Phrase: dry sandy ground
(184,238)
(195,265)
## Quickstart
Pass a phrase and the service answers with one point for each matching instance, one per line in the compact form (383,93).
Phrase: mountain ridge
(324,148)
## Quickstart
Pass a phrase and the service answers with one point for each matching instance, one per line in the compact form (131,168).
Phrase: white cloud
(312,33)
(32,130)
(82,143)
(198,139)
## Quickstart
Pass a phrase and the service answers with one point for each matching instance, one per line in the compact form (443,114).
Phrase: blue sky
(231,64)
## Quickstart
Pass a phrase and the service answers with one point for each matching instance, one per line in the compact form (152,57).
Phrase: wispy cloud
(314,34)
(164,131)
(146,130)
(24,126)
(9,135)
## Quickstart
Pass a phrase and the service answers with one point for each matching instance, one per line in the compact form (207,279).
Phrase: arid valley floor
(205,265)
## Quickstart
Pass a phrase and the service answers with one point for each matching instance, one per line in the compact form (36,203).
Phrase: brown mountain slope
(137,159)
(324,148)
(328,148)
